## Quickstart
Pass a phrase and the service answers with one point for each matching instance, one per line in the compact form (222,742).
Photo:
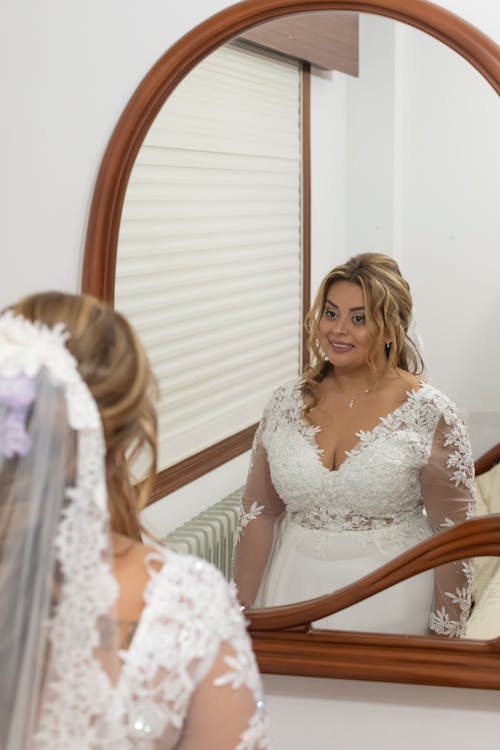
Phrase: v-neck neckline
(362,435)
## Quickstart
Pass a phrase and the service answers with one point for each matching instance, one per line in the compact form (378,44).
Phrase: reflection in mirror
(403,161)
(355,463)
(300,569)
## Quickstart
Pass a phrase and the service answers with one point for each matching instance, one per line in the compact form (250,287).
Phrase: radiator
(210,534)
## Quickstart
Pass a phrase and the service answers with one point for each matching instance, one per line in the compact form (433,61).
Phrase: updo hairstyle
(112,362)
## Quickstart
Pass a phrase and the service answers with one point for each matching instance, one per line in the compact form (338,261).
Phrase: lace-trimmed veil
(415,338)
(58,655)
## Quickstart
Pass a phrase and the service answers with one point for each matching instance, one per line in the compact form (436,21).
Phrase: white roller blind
(210,249)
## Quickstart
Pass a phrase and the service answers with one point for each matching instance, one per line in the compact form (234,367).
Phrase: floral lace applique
(441,622)
(175,647)
(246,516)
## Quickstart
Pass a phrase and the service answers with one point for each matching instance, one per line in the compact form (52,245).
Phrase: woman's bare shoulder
(132,564)
(407,380)
(130,551)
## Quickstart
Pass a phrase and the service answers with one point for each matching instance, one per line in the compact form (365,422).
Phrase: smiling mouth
(338,347)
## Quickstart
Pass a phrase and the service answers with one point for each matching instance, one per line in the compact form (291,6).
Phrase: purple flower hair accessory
(16,396)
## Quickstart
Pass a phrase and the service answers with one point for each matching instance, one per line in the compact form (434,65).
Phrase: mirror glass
(405,160)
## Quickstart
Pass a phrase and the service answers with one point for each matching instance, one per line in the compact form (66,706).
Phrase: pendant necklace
(353,398)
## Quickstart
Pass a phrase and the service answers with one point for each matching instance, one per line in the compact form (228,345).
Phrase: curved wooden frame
(427,660)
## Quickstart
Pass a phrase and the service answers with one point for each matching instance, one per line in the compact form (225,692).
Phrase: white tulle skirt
(306,563)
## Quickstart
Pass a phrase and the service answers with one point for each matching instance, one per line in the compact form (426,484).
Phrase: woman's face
(344,334)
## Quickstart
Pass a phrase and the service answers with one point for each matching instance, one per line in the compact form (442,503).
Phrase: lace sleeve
(226,710)
(447,487)
(223,712)
(261,510)
(191,675)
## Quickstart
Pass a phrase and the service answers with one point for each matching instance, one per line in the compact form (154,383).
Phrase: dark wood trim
(306,202)
(380,657)
(206,460)
(488,460)
(327,41)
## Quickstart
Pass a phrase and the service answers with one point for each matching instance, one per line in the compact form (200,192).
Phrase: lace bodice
(359,489)
(418,457)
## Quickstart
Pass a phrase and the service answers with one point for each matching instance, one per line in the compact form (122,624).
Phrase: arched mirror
(391,144)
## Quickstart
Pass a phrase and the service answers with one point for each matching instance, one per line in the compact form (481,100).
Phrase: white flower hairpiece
(28,347)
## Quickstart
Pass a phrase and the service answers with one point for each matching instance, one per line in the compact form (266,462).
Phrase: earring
(321,352)
(388,347)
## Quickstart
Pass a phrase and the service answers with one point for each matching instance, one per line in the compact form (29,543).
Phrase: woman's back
(188,677)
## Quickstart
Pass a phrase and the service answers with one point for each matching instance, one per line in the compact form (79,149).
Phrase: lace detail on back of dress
(190,612)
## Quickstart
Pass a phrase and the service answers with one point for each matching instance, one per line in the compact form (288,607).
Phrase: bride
(104,642)
(355,463)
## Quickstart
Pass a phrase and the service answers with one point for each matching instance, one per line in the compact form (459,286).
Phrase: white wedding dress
(306,531)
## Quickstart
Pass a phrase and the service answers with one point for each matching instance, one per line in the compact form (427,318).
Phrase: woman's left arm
(447,482)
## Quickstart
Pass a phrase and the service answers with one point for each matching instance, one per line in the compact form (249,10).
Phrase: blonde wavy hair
(388,307)
(114,365)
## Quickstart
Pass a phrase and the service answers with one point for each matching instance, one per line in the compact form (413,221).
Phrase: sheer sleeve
(447,488)
(260,513)
(226,709)
(190,679)
(223,714)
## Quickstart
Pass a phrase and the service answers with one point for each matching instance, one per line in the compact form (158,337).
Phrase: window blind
(210,248)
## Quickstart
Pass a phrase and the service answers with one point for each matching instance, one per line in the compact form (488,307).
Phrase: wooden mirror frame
(283,641)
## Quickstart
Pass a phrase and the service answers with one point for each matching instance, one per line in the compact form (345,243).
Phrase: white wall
(371,144)
(450,224)
(329,141)
(351,715)
(68,70)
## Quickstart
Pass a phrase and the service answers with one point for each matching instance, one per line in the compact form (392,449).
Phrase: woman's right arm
(260,513)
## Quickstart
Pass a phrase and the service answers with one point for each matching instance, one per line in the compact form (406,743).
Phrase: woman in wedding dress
(355,463)
(104,642)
